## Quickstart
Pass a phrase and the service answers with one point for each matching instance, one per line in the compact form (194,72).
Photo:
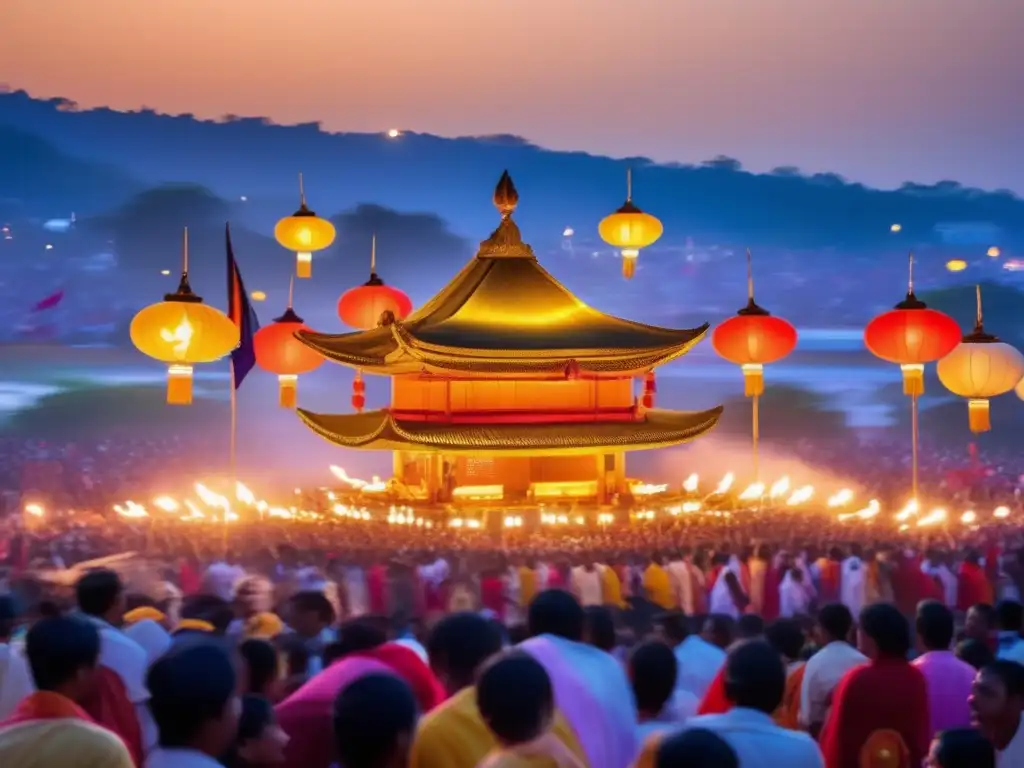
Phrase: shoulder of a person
(102,740)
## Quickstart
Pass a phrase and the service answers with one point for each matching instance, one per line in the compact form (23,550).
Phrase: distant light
(895,227)
(244,198)
(165,272)
(1014,265)
(569,232)
(994,252)
(956,265)
(49,247)
(258,296)
(394,133)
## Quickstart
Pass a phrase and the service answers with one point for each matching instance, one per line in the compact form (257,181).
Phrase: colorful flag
(49,302)
(243,358)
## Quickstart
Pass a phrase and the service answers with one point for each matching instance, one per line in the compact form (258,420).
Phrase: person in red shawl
(49,728)
(973,587)
(882,702)
(830,569)
(306,715)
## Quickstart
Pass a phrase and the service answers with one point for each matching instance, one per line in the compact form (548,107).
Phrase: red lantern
(358,393)
(373,303)
(650,389)
(751,340)
(911,335)
(278,351)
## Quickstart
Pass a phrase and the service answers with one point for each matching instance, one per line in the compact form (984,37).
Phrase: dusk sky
(878,90)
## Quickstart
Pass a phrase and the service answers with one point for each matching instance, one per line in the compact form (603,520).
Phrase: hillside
(254,158)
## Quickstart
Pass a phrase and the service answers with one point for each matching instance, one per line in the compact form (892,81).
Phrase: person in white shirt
(699,659)
(795,594)
(853,581)
(15,677)
(679,576)
(826,668)
(195,706)
(586,584)
(1010,617)
(997,709)
(755,681)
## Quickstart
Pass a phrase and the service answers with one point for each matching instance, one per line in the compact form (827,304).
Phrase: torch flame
(779,488)
(725,483)
(840,498)
(690,483)
(166,503)
(180,337)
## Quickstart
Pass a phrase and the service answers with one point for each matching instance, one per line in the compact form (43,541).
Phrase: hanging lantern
(979,368)
(278,351)
(650,390)
(752,339)
(182,331)
(358,393)
(629,229)
(911,335)
(364,306)
(304,232)
(956,265)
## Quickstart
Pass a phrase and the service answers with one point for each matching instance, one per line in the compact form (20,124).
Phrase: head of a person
(755,676)
(980,621)
(8,617)
(997,698)
(515,698)
(696,748)
(961,748)
(883,632)
(652,672)
(63,653)
(749,626)
(787,637)
(459,645)
(260,741)
(193,698)
(599,628)
(213,613)
(100,593)
(310,613)
(719,629)
(935,626)
(671,627)
(556,612)
(975,652)
(261,669)
(1010,616)
(374,720)
(834,624)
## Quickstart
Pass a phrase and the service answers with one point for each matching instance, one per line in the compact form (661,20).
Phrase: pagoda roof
(380,430)
(503,313)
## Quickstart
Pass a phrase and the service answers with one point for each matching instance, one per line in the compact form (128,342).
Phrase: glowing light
(800,496)
(1001,512)
(895,227)
(165,272)
(691,483)
(840,498)
(513,521)
(605,518)
(394,133)
(956,265)
(352,482)
(779,488)
(911,508)
(691,506)
(244,495)
(725,483)
(36,510)
(166,503)
(479,492)
(568,232)
(647,489)
(934,517)
(258,296)
(49,247)
(131,510)
(969,517)
(993,252)
(752,492)
(180,338)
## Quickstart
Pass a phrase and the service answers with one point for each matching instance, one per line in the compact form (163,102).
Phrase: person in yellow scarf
(454,735)
(611,587)
(263,626)
(527,583)
(657,585)
(49,728)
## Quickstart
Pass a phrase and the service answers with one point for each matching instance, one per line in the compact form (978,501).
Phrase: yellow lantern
(993,252)
(629,229)
(956,265)
(304,232)
(182,331)
(981,367)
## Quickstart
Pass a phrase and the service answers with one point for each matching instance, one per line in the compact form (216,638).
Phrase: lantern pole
(755,404)
(914,429)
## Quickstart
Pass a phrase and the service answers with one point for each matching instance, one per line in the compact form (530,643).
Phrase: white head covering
(154,639)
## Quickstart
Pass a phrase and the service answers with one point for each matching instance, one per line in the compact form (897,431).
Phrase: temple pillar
(398,460)
(601,461)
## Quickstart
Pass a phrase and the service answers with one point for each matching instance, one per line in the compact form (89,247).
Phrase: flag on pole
(49,302)
(243,358)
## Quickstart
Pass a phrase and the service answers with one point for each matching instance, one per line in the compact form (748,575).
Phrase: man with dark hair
(652,672)
(695,748)
(374,720)
(755,680)
(605,719)
(49,728)
(195,705)
(119,702)
(15,678)
(997,702)
(310,615)
(961,748)
(949,679)
(454,734)
(886,694)
(1010,619)
(980,624)
(826,668)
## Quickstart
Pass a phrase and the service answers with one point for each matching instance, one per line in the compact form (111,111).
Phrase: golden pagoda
(505,385)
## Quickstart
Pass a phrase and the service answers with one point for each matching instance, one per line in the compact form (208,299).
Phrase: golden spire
(506,241)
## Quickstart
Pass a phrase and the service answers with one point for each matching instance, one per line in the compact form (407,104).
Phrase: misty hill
(254,158)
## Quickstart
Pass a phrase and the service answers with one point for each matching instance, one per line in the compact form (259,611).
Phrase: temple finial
(291,291)
(184,254)
(373,254)
(505,196)
(978,325)
(629,185)
(910,275)
(302,192)
(750,278)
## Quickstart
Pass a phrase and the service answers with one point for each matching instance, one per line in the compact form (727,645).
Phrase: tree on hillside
(786,414)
